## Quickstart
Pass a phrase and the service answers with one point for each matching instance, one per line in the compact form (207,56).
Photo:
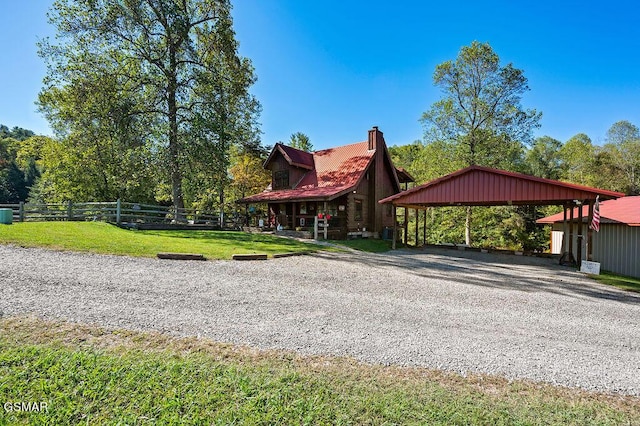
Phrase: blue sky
(333,69)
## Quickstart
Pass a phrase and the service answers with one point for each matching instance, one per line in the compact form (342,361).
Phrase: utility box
(387,233)
(6,216)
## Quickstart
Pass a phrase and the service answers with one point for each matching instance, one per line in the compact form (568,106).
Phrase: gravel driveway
(466,312)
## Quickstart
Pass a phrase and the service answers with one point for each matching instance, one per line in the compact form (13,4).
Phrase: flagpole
(594,225)
(590,233)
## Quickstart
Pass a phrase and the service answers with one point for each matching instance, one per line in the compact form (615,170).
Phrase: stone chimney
(375,135)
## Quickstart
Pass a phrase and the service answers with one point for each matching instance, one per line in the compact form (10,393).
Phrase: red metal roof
(625,210)
(337,170)
(295,157)
(404,176)
(482,186)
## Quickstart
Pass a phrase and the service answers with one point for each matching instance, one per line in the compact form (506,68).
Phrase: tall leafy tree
(623,150)
(480,112)
(174,67)
(578,157)
(543,159)
(103,147)
(18,157)
(301,141)
(13,187)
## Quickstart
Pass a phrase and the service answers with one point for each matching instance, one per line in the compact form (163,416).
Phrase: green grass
(93,376)
(620,281)
(104,238)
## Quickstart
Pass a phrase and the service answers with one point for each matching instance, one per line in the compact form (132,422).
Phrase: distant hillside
(16,133)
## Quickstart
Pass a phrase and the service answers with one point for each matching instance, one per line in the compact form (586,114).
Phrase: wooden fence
(118,212)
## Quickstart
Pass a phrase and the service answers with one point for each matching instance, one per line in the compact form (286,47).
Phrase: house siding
(362,194)
(616,247)
(280,163)
(384,211)
(363,222)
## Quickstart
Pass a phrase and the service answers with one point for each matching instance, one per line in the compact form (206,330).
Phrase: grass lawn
(620,281)
(98,237)
(93,376)
(367,244)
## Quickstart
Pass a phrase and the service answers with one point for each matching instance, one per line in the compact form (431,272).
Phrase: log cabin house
(344,182)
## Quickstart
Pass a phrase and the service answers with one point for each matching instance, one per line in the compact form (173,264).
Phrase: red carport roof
(483,186)
(625,210)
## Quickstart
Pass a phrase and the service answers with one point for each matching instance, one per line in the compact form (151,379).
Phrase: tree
(172,68)
(578,159)
(102,147)
(13,187)
(301,141)
(17,133)
(623,149)
(248,174)
(425,162)
(480,113)
(543,159)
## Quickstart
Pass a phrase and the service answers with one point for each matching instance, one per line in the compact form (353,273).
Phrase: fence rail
(117,212)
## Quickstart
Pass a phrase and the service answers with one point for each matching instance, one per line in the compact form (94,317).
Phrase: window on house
(358,211)
(281,179)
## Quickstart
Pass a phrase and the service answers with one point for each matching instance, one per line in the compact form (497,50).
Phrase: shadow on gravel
(490,270)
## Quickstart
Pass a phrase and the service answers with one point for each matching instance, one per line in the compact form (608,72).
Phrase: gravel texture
(466,312)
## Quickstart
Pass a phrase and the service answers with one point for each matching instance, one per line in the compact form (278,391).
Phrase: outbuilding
(616,246)
(483,186)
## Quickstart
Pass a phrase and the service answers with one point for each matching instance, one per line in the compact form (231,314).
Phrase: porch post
(293,216)
(571,231)
(565,230)
(395,228)
(424,228)
(326,222)
(315,227)
(580,236)
(590,233)
(417,225)
(406,226)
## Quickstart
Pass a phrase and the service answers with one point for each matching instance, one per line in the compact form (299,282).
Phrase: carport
(483,186)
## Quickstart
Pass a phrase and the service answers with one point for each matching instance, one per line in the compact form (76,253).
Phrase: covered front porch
(301,216)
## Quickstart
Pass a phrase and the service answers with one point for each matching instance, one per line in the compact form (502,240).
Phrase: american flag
(595,222)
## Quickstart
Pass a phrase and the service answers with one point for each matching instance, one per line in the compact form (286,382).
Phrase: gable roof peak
(294,156)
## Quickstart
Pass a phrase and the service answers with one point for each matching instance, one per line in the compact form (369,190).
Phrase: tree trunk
(221,206)
(174,149)
(467,227)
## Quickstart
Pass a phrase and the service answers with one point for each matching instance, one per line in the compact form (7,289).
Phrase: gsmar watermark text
(26,406)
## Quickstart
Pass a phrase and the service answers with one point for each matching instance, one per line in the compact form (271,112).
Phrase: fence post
(118,211)
(69,210)
(21,212)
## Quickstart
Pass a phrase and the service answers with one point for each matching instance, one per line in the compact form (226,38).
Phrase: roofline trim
(596,191)
(279,147)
